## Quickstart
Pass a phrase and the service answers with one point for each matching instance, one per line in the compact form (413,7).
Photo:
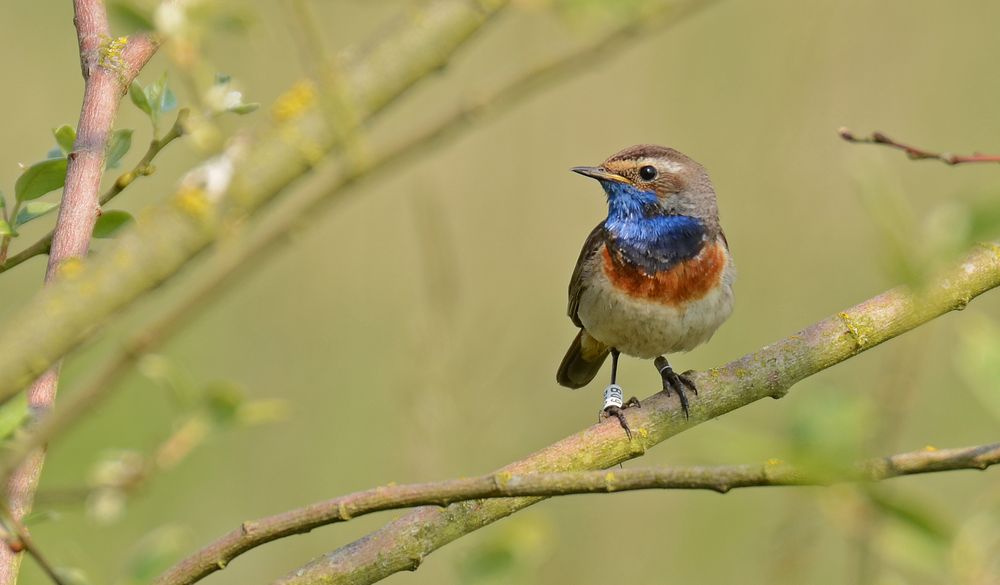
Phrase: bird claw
(676,382)
(619,413)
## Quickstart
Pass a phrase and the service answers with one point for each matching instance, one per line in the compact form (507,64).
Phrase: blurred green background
(414,330)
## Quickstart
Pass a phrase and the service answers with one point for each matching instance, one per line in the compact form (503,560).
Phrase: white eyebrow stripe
(666,165)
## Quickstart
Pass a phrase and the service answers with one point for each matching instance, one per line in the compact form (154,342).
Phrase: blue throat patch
(642,234)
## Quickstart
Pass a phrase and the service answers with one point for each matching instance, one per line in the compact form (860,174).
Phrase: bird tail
(583,360)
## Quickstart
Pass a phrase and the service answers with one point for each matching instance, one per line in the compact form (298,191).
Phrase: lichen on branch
(251,534)
(768,372)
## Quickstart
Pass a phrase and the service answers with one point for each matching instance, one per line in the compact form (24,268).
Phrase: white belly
(646,329)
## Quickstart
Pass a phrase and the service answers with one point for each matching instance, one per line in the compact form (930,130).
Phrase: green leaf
(155,94)
(223,400)
(168,101)
(138,95)
(155,99)
(65,137)
(913,514)
(5,229)
(110,222)
(515,550)
(984,221)
(488,563)
(40,178)
(121,141)
(977,359)
(244,108)
(72,576)
(37,517)
(33,210)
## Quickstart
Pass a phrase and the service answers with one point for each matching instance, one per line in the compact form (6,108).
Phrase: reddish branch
(254,533)
(916,153)
(109,66)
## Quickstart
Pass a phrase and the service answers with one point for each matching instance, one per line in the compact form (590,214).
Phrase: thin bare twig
(917,153)
(254,533)
(234,264)
(143,168)
(109,66)
(19,540)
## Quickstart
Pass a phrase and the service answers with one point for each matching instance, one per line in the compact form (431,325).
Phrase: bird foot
(614,407)
(679,383)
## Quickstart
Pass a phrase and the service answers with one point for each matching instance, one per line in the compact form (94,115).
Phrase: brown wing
(576,284)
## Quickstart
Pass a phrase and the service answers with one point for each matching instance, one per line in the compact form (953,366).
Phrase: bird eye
(647,173)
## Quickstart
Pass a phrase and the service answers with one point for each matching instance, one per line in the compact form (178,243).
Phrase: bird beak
(600,174)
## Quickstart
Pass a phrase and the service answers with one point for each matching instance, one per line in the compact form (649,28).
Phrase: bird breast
(671,310)
(685,281)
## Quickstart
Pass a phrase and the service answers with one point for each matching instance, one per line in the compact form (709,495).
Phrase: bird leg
(674,381)
(613,405)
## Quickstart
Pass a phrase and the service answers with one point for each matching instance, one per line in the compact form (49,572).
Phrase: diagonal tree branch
(769,372)
(233,265)
(109,66)
(917,153)
(254,533)
(251,173)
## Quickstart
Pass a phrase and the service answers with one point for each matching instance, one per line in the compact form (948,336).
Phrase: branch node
(110,58)
(778,389)
(342,511)
(855,329)
(415,562)
(501,480)
(609,482)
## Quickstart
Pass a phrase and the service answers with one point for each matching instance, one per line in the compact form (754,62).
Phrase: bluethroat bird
(654,278)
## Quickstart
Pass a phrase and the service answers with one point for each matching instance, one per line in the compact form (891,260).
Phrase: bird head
(647,175)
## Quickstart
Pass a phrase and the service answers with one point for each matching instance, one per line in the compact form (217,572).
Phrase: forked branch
(721,479)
